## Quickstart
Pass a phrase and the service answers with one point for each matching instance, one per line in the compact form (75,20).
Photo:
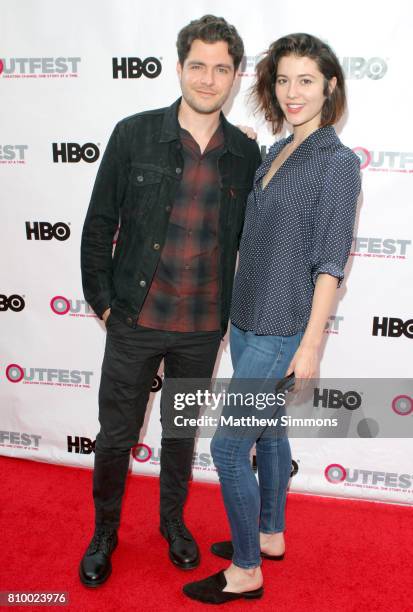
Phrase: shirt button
(167,208)
(129,320)
(187,267)
(190,233)
(139,178)
(156,246)
(178,170)
(142,283)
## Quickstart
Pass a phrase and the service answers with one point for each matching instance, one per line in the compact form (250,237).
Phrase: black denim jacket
(135,188)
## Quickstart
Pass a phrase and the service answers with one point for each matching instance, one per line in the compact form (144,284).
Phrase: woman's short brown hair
(301,45)
(210,29)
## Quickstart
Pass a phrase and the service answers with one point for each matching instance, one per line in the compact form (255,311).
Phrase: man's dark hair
(210,29)
(301,45)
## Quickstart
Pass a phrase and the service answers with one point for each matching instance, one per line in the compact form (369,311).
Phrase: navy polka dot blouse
(301,224)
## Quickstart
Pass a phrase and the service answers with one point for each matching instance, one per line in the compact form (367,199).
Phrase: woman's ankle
(272,543)
(278,535)
(242,573)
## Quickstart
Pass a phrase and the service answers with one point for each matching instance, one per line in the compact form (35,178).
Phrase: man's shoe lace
(177,529)
(103,541)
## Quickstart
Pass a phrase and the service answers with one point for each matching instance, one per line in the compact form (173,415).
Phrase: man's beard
(199,108)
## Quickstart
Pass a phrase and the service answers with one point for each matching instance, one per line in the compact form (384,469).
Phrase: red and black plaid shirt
(184,294)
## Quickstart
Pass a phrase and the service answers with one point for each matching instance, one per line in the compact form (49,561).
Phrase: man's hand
(249,131)
(105,315)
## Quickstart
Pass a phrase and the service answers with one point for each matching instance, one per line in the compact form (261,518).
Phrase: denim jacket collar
(170,129)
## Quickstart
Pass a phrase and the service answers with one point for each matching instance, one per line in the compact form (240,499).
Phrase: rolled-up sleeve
(333,232)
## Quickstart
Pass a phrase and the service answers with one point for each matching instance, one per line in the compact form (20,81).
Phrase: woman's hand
(304,364)
(249,131)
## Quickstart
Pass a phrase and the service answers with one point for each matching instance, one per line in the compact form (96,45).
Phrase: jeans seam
(278,358)
(236,498)
(240,499)
(243,507)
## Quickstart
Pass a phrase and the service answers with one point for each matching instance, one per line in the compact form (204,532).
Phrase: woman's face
(299,87)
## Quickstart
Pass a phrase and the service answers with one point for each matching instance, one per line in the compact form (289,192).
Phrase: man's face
(207,76)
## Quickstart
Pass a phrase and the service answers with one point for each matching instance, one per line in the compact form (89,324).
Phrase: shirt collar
(320,138)
(170,129)
(216,141)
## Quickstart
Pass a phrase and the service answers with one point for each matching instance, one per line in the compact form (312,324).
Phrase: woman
(295,244)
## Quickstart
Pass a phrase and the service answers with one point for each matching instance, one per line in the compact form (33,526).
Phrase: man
(176,181)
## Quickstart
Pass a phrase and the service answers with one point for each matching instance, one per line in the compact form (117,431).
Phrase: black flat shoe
(95,566)
(183,550)
(211,590)
(226,551)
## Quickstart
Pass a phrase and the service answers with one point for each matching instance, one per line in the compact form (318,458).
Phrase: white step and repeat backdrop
(68,73)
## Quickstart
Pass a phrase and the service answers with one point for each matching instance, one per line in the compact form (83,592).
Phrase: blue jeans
(253,507)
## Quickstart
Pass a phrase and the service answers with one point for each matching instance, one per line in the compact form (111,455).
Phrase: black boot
(95,566)
(183,550)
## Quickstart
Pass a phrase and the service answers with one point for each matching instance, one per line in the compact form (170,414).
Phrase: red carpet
(341,555)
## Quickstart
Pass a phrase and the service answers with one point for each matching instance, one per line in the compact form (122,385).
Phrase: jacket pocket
(144,186)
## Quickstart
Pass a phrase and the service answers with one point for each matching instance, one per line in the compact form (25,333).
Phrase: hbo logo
(72,153)
(14,302)
(334,398)
(134,67)
(359,67)
(42,230)
(78,444)
(392,327)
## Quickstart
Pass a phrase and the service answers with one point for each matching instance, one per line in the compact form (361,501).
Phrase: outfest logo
(61,305)
(39,67)
(16,439)
(385,161)
(13,153)
(381,248)
(142,453)
(333,324)
(55,377)
(337,474)
(402,405)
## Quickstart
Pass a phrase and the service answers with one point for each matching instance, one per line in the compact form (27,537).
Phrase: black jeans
(131,361)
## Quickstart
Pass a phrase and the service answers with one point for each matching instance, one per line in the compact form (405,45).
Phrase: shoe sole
(93,583)
(188,566)
(217,603)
